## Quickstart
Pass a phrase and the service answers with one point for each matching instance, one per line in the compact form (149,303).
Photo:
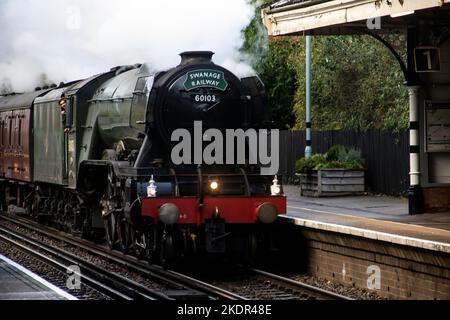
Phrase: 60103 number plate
(204,98)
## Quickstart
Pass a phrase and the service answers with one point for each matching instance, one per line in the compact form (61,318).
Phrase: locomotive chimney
(188,57)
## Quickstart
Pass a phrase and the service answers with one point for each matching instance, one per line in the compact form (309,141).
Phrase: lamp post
(308,148)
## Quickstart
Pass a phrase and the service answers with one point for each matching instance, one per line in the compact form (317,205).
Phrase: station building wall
(435,165)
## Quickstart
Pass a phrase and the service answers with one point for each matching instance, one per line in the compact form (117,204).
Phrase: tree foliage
(270,60)
(356,81)
(356,84)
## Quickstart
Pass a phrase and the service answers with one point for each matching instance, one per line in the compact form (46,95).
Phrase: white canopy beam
(316,14)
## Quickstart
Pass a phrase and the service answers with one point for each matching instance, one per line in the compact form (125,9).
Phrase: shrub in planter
(340,171)
(337,157)
(305,165)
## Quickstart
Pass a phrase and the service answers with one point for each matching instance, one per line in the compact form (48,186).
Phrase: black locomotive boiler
(93,157)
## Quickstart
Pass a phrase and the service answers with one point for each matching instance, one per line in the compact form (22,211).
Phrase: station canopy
(334,17)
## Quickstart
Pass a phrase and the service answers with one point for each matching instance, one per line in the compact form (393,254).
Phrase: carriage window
(10,130)
(1,132)
(4,132)
(20,131)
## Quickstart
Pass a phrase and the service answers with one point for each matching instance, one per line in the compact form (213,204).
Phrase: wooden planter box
(331,183)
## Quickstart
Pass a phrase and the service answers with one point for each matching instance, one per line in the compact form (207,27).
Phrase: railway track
(110,284)
(182,286)
(258,284)
(297,286)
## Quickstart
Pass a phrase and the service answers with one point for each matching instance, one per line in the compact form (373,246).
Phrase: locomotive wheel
(110,230)
(125,229)
(252,249)
(146,249)
(37,207)
(108,205)
(3,206)
(167,250)
(150,247)
(140,245)
(123,234)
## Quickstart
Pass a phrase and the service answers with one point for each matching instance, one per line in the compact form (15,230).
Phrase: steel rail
(64,267)
(205,286)
(129,289)
(297,285)
(131,263)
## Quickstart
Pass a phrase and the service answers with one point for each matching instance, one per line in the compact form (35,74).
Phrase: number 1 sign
(427,59)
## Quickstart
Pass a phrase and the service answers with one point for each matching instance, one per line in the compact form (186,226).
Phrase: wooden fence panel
(386,155)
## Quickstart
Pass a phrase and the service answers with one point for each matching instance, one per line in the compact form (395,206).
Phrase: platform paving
(18,283)
(377,217)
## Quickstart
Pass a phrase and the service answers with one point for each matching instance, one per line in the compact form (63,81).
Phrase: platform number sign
(427,59)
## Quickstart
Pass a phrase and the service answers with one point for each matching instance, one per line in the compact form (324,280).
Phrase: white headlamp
(151,188)
(275,188)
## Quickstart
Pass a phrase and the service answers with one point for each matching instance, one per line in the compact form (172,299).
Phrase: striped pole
(308,148)
(414,192)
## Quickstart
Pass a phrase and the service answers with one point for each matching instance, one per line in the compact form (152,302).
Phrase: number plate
(204,98)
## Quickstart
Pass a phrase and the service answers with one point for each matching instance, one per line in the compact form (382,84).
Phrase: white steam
(63,40)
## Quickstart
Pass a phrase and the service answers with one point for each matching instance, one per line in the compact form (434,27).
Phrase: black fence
(386,155)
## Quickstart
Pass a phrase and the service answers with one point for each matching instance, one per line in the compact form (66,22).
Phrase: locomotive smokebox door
(215,235)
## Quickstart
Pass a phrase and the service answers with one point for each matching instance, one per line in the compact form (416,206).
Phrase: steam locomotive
(93,157)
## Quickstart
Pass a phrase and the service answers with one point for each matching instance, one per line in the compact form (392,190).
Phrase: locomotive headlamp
(267,212)
(169,213)
(214,185)
(151,188)
(275,188)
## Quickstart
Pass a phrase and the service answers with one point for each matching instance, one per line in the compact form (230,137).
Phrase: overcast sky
(72,39)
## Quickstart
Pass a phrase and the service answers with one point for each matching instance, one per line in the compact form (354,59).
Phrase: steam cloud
(63,40)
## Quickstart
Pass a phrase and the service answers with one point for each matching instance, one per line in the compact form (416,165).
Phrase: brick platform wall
(405,272)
